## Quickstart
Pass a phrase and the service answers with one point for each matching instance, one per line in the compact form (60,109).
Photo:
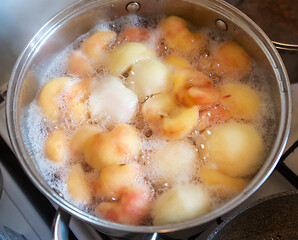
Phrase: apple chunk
(75,101)
(178,37)
(126,55)
(166,117)
(95,45)
(211,116)
(240,100)
(78,65)
(149,77)
(134,34)
(55,145)
(48,97)
(236,148)
(114,147)
(132,208)
(180,203)
(114,178)
(77,185)
(230,59)
(177,61)
(194,88)
(180,122)
(80,137)
(220,183)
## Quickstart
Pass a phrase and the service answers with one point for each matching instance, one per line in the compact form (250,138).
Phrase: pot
(79,18)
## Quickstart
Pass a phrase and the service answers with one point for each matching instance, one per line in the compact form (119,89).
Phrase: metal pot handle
(153,236)
(60,225)
(285,46)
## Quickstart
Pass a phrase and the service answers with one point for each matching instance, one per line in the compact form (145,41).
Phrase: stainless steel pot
(79,18)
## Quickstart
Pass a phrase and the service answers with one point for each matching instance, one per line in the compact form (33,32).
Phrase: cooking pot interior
(69,25)
(78,19)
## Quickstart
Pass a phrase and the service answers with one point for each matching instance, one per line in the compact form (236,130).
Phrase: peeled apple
(236,148)
(180,203)
(126,55)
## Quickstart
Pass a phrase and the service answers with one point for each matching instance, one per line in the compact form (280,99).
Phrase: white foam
(112,99)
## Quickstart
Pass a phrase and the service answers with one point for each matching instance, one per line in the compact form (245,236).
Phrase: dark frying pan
(272,218)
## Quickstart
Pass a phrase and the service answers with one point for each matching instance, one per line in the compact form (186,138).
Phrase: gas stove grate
(284,170)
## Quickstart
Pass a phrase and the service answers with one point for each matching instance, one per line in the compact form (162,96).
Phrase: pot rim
(13,97)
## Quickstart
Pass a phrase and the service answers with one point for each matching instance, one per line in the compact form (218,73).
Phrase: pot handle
(285,46)
(153,236)
(61,222)
(60,225)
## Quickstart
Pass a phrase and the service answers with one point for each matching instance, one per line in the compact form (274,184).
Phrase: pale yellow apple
(48,97)
(95,45)
(56,145)
(220,183)
(80,136)
(77,185)
(149,77)
(177,61)
(180,203)
(114,178)
(230,59)
(236,148)
(180,122)
(114,147)
(240,100)
(178,37)
(126,55)
(79,65)
(165,117)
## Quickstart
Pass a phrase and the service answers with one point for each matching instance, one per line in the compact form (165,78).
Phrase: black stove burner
(283,169)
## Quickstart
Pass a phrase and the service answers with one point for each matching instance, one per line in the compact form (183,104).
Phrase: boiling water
(35,128)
